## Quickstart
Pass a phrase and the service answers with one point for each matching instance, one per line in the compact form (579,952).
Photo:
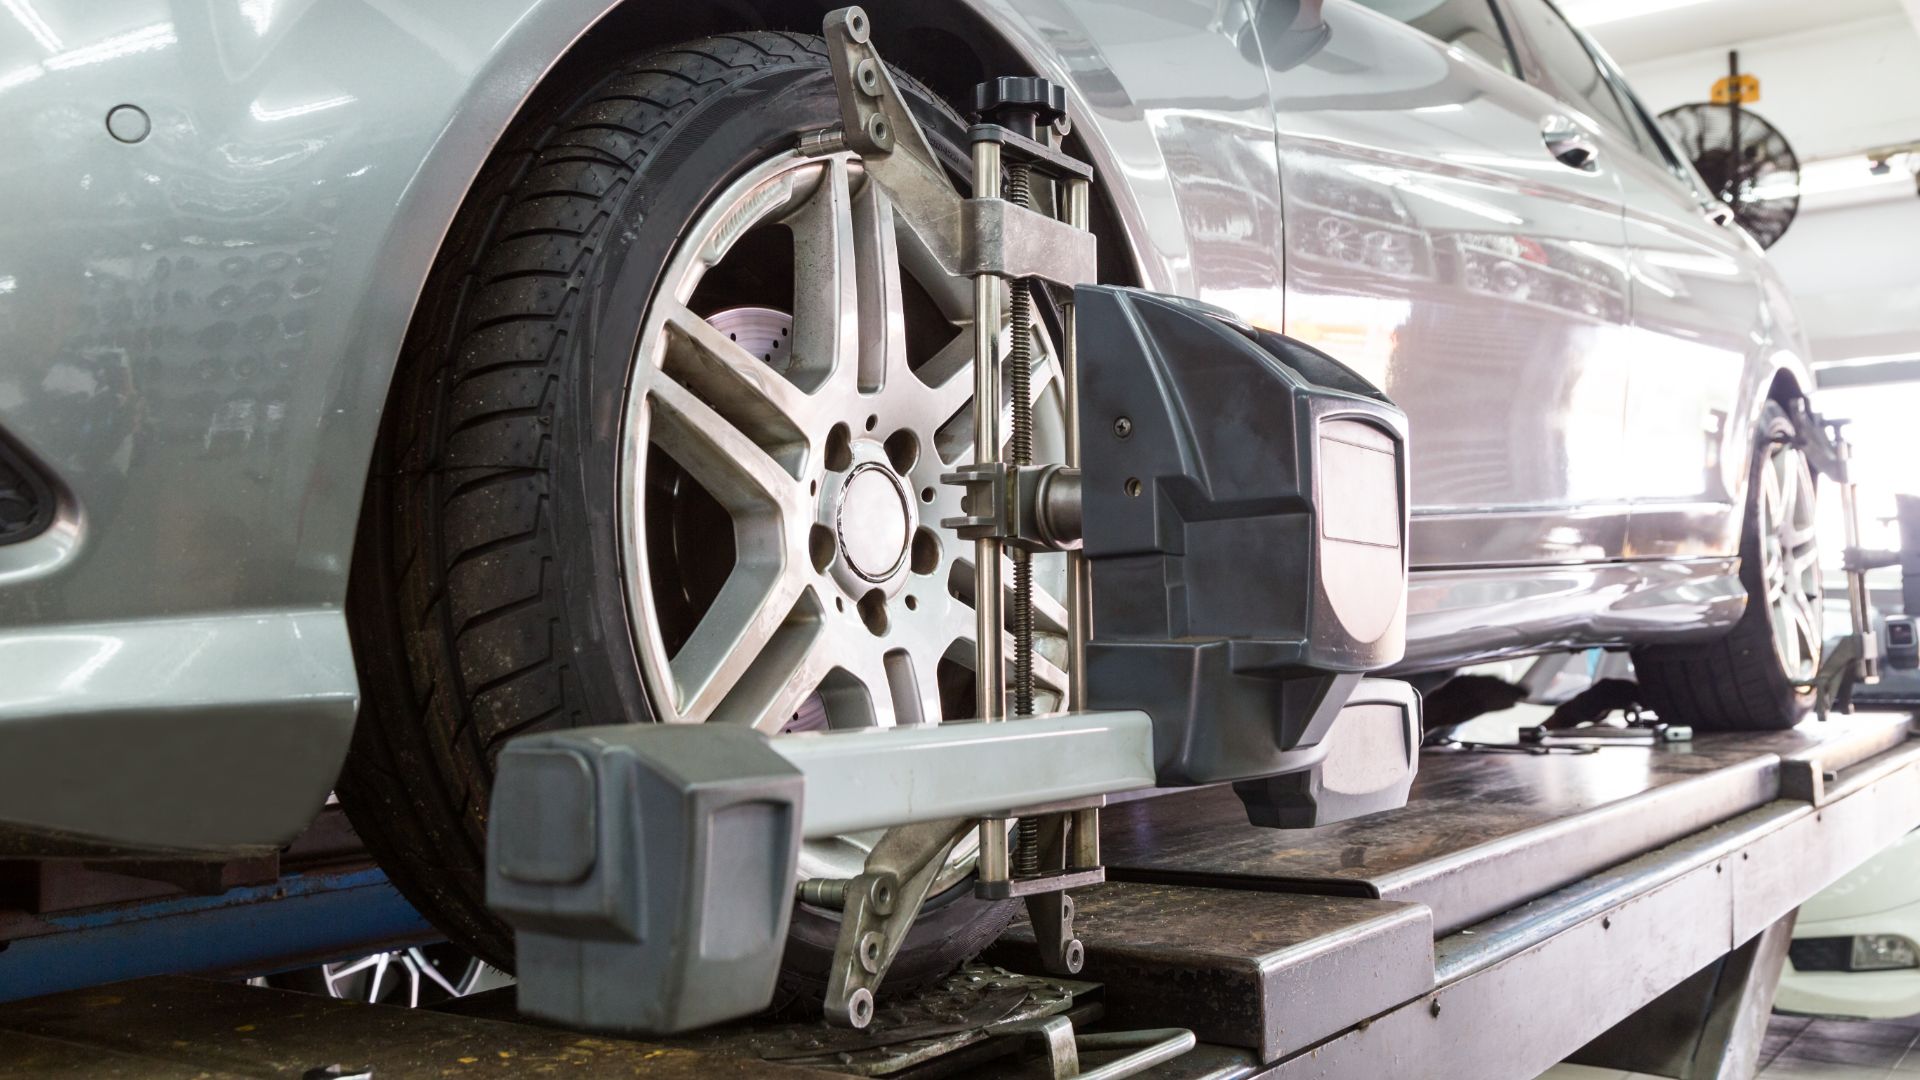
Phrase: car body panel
(1468,615)
(1710,332)
(202,328)
(1437,247)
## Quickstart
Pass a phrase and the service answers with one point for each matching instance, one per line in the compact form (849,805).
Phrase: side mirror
(1285,33)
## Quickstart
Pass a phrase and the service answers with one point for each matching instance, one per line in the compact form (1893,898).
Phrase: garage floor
(1802,1048)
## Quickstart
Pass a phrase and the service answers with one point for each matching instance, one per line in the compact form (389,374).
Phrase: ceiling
(1680,26)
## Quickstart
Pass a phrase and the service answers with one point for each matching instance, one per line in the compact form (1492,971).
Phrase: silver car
(384,380)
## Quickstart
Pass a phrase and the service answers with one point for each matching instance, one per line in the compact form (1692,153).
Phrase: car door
(1699,325)
(1703,313)
(1435,243)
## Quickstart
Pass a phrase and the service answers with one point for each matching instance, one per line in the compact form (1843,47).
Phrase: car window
(1568,63)
(1656,146)
(1472,25)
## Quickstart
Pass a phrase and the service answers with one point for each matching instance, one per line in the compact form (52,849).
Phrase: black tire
(1737,682)
(481,598)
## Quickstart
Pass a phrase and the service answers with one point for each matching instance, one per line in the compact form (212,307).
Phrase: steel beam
(876,777)
(1501,1007)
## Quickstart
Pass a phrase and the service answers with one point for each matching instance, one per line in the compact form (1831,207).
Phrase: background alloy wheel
(1753,679)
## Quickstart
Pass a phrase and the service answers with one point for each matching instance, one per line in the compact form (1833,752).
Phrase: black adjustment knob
(1020,103)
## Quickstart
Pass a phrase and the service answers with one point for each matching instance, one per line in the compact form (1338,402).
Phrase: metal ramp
(1521,908)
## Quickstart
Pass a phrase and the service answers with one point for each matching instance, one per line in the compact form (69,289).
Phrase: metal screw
(1122,427)
(1434,1009)
(1606,923)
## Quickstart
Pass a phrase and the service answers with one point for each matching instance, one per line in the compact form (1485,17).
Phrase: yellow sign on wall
(1747,87)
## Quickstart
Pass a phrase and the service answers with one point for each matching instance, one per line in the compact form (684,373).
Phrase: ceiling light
(1589,13)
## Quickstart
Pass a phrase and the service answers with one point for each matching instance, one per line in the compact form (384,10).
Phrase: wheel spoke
(948,377)
(952,295)
(790,670)
(733,468)
(882,308)
(826,291)
(427,969)
(1789,487)
(745,619)
(379,975)
(1047,674)
(1046,373)
(1049,613)
(916,687)
(752,395)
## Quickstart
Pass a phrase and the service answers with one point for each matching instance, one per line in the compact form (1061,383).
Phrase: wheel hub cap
(874,521)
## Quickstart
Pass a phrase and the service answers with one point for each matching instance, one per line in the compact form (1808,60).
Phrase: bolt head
(1075,956)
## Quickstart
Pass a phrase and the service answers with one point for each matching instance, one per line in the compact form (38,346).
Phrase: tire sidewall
(707,150)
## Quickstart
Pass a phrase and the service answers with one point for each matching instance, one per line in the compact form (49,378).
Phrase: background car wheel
(413,977)
(666,446)
(1750,679)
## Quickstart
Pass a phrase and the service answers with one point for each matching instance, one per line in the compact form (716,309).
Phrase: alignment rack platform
(1628,907)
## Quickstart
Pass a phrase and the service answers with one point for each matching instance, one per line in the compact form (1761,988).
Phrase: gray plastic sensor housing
(1245,504)
(647,871)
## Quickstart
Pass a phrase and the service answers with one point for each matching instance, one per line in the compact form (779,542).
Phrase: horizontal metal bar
(998,237)
(1071,878)
(1631,933)
(876,777)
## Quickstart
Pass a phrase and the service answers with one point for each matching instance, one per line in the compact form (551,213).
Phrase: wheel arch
(949,47)
(1786,382)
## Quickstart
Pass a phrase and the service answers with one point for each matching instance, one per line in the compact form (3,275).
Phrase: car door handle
(1569,144)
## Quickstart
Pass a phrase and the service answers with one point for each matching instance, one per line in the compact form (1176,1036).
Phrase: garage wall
(1833,90)
(1853,256)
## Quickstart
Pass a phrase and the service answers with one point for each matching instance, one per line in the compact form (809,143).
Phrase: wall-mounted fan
(1744,160)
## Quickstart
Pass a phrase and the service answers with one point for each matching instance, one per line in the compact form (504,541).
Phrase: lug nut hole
(903,451)
(873,611)
(840,448)
(820,547)
(924,557)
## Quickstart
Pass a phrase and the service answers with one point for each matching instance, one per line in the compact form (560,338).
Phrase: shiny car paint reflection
(201,325)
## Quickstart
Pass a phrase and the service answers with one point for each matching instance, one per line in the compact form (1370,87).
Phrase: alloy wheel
(1790,558)
(803,378)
